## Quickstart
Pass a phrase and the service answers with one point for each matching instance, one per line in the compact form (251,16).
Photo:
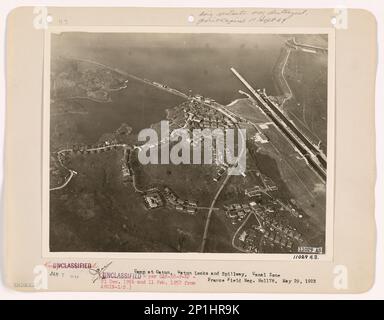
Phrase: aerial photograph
(109,90)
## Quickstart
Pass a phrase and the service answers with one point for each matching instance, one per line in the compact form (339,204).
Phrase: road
(72,172)
(285,80)
(205,235)
(303,45)
(132,76)
(206,229)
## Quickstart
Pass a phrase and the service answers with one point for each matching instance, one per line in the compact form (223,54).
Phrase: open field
(96,212)
(306,74)
(301,182)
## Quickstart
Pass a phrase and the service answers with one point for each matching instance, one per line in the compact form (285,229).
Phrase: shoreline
(235,101)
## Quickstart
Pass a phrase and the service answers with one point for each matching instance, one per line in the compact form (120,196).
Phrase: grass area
(96,212)
(306,74)
(244,108)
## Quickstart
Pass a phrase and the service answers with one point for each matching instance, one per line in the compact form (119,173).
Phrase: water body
(197,62)
(138,105)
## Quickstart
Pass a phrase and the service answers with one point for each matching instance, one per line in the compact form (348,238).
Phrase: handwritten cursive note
(248,16)
(97,272)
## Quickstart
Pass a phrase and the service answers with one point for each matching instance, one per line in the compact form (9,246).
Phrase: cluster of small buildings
(89,149)
(273,231)
(126,170)
(264,126)
(199,98)
(206,122)
(220,173)
(237,212)
(279,234)
(275,206)
(187,206)
(269,209)
(255,191)
(282,237)
(250,239)
(270,185)
(260,137)
(277,239)
(293,211)
(201,116)
(152,199)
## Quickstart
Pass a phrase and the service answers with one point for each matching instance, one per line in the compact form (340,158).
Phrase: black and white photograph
(111,92)
(201,154)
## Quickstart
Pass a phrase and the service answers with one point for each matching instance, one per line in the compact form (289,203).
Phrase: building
(260,138)
(126,172)
(264,126)
(253,192)
(153,200)
(192,211)
(192,203)
(243,236)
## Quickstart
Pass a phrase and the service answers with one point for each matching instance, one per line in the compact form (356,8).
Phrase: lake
(197,63)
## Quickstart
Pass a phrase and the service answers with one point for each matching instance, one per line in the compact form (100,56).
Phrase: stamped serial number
(305,257)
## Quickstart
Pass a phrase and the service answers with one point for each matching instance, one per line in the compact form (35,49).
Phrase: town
(156,198)
(268,229)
